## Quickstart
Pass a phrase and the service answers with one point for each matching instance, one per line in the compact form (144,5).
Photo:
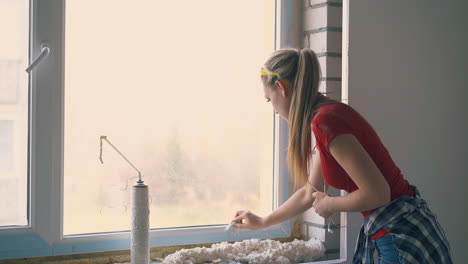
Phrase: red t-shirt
(332,120)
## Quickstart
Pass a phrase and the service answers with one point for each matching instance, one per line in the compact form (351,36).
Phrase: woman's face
(280,98)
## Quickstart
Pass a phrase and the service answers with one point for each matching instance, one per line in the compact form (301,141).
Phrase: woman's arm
(373,190)
(300,201)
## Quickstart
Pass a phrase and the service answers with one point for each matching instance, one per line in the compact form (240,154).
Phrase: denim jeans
(388,253)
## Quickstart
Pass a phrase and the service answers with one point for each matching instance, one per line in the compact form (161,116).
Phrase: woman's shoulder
(330,109)
(332,117)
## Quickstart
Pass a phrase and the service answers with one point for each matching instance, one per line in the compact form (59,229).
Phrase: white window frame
(44,234)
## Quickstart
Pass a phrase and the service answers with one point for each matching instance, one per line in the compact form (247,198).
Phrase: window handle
(44,53)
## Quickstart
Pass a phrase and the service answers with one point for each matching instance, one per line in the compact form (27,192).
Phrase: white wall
(408,76)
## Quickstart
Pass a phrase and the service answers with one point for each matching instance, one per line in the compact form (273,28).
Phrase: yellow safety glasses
(265,72)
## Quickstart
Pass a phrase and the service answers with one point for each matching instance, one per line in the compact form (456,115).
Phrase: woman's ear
(284,89)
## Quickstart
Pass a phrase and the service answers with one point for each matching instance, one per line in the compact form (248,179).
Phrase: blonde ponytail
(302,69)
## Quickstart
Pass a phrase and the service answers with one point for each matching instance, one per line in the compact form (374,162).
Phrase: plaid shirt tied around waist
(420,238)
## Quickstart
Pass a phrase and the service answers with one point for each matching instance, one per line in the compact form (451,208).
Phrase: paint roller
(139,245)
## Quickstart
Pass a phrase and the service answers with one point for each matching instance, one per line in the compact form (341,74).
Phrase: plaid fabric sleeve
(421,239)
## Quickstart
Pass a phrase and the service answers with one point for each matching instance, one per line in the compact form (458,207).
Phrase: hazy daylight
(179,93)
(14,29)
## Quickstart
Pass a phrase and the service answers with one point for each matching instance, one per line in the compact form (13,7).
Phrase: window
(183,101)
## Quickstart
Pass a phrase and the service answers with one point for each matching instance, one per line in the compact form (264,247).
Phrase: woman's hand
(248,220)
(322,204)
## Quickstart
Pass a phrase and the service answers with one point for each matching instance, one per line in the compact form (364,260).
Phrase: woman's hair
(300,68)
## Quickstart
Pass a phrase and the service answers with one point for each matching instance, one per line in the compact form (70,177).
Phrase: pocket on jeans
(387,250)
(383,261)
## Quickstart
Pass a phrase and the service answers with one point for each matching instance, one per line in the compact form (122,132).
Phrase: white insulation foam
(252,251)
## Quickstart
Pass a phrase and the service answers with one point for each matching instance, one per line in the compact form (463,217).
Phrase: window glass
(14,29)
(175,87)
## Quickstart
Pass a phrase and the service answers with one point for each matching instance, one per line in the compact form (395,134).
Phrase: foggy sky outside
(175,86)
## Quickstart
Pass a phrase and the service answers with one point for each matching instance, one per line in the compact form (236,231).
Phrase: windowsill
(157,254)
(121,256)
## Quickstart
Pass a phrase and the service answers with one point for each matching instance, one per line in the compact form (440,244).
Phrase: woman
(350,157)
